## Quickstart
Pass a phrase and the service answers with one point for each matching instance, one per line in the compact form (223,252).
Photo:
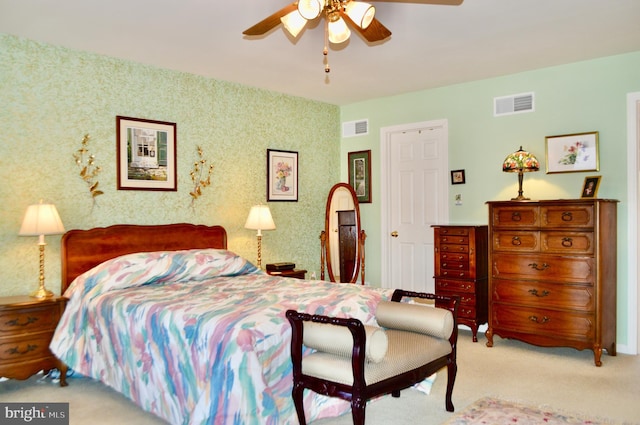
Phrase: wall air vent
(355,128)
(514,104)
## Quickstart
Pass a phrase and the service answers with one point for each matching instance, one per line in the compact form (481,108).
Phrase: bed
(188,330)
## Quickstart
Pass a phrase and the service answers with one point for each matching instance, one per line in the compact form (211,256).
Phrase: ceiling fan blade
(270,22)
(374,32)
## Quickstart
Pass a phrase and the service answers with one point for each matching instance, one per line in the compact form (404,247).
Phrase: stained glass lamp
(520,162)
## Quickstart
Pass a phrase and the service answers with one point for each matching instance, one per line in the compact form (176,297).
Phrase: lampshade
(520,162)
(293,22)
(310,9)
(360,13)
(338,30)
(260,219)
(41,219)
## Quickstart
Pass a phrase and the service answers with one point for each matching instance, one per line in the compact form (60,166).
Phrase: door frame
(385,139)
(633,222)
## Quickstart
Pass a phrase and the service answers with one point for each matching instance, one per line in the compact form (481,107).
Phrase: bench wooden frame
(358,393)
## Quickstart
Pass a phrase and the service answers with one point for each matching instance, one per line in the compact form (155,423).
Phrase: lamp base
(41,293)
(520,198)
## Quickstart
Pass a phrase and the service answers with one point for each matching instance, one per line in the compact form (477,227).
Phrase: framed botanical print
(570,153)
(282,175)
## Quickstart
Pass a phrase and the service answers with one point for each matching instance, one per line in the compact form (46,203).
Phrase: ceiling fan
(337,13)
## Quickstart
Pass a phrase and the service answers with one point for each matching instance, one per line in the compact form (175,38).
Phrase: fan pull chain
(325,51)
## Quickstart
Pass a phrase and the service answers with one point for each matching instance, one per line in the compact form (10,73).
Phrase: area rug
(492,411)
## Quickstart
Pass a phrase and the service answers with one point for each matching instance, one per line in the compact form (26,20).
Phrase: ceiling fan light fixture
(310,9)
(338,30)
(293,22)
(361,13)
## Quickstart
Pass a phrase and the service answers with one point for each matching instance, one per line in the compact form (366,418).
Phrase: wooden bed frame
(84,249)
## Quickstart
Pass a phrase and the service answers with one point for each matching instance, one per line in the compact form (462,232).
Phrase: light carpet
(493,411)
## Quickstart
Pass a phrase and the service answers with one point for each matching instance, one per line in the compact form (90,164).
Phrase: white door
(414,197)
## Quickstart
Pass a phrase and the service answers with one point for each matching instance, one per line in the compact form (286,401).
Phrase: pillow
(338,340)
(437,322)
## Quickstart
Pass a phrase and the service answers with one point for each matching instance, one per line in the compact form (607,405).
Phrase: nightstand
(26,328)
(298,274)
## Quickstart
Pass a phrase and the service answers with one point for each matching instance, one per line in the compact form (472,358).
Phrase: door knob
(394,234)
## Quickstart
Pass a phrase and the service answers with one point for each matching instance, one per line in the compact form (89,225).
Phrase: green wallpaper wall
(579,97)
(52,96)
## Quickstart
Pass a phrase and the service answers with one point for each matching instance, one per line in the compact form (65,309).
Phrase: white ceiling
(434,43)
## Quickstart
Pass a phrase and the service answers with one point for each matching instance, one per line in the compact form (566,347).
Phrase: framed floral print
(282,175)
(572,153)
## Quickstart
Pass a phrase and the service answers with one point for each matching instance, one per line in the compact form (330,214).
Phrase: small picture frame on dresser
(590,186)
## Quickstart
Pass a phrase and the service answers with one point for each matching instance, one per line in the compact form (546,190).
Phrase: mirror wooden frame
(330,224)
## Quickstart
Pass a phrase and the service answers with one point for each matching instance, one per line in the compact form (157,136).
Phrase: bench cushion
(437,322)
(339,340)
(406,351)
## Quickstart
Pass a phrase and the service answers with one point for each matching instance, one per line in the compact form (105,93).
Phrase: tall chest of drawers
(552,279)
(461,269)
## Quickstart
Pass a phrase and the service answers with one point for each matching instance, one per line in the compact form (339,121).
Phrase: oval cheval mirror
(342,240)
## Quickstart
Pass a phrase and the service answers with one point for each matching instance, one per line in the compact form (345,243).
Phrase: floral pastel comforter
(199,337)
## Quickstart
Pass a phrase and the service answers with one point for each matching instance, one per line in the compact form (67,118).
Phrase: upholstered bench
(357,362)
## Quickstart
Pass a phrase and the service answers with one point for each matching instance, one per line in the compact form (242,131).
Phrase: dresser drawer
(506,240)
(454,256)
(567,242)
(539,321)
(25,348)
(515,216)
(467,308)
(454,239)
(454,248)
(28,319)
(450,231)
(455,286)
(553,268)
(567,216)
(545,295)
(454,266)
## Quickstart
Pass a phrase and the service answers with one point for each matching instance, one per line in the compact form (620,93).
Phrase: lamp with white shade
(41,220)
(260,219)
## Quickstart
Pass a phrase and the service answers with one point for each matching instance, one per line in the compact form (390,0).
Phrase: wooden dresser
(461,269)
(553,273)
(26,328)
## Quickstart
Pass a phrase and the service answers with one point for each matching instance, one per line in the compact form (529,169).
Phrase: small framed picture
(457,177)
(571,153)
(282,175)
(360,175)
(590,186)
(146,154)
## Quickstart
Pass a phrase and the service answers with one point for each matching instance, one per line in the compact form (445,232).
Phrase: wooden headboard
(84,249)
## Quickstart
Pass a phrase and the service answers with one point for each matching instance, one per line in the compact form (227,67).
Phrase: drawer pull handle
(515,216)
(15,350)
(516,241)
(535,266)
(539,295)
(567,216)
(16,322)
(535,319)
(567,242)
